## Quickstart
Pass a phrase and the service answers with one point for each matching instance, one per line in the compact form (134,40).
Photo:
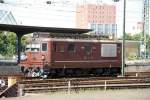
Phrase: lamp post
(123,37)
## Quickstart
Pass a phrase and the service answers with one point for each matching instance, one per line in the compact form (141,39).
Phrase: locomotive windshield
(33,47)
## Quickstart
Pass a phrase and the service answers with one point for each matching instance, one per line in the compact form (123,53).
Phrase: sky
(134,9)
(133,13)
(41,1)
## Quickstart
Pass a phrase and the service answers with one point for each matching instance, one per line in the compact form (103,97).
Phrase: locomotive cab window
(33,47)
(71,47)
(44,46)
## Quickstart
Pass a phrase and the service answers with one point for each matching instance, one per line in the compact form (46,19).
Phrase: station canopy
(22,29)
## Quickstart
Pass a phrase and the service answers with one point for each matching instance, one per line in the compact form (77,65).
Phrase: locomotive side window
(71,47)
(108,50)
(44,46)
(58,47)
(61,48)
(88,48)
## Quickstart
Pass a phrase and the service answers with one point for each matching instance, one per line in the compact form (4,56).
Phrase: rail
(76,84)
(10,91)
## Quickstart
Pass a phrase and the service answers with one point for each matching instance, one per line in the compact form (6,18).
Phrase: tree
(136,37)
(148,43)
(23,42)
(128,36)
(139,37)
(8,43)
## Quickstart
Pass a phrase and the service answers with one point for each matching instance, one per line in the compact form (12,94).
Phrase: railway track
(38,85)
(138,74)
(69,84)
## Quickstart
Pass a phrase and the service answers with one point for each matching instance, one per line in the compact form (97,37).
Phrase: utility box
(12,80)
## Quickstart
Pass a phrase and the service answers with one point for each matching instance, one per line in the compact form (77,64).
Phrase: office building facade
(99,17)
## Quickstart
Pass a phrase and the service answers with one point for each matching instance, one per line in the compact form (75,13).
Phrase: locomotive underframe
(71,72)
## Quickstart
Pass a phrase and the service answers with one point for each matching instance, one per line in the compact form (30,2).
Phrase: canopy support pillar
(19,36)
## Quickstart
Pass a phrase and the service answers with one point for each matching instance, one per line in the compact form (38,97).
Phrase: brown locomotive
(72,57)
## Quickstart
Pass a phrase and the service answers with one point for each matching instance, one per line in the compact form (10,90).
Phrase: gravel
(124,94)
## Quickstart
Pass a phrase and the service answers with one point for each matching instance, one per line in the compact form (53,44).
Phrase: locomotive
(71,56)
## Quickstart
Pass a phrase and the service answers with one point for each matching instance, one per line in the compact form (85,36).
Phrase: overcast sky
(133,10)
(41,1)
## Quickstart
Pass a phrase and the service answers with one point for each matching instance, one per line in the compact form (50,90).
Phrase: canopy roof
(21,29)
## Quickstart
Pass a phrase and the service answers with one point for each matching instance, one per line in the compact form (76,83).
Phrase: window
(59,47)
(71,47)
(108,50)
(44,46)
(28,49)
(114,28)
(88,48)
(33,47)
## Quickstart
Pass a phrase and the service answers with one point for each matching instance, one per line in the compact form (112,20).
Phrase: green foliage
(136,37)
(139,37)
(23,42)
(128,37)
(148,43)
(8,43)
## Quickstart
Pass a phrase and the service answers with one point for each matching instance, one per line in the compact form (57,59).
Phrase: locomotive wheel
(98,72)
(107,72)
(78,72)
(52,73)
(113,71)
(61,72)
(69,72)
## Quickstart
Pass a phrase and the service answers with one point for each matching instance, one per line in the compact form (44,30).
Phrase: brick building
(100,17)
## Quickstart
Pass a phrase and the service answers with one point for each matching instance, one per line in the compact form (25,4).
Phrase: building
(100,17)
(137,28)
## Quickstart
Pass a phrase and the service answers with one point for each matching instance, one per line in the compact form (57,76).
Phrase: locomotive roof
(22,29)
(74,40)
